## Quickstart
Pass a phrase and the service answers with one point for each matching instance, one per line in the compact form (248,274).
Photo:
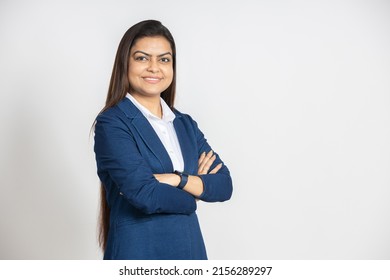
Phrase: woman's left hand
(205,161)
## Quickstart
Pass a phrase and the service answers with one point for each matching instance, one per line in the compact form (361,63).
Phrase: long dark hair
(120,86)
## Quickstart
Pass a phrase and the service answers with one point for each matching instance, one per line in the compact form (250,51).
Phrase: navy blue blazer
(149,219)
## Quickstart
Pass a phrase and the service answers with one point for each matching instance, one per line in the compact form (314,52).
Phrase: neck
(152,103)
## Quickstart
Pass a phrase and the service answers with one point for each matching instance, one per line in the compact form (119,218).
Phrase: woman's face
(150,66)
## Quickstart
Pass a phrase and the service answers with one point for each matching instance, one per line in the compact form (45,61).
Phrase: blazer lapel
(186,145)
(147,133)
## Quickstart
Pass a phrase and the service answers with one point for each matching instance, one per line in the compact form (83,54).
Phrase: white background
(294,96)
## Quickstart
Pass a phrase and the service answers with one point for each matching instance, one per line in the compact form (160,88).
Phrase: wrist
(183,179)
(177,179)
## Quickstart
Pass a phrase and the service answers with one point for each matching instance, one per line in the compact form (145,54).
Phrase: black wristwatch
(183,179)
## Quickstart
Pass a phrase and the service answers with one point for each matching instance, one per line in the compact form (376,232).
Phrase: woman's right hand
(205,162)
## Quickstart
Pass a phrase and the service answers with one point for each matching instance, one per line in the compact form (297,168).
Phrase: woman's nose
(153,66)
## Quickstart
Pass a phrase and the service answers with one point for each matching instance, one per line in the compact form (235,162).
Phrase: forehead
(152,45)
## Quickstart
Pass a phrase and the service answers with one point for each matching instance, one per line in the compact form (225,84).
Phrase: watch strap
(183,179)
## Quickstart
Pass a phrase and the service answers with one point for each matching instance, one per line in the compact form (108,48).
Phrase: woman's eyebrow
(151,55)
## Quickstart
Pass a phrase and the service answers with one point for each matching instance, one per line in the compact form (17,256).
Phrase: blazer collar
(149,136)
(131,111)
(147,133)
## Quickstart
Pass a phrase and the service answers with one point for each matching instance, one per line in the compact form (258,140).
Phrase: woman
(153,161)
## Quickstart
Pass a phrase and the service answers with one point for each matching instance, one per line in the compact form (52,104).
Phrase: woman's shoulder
(121,110)
(186,119)
(114,116)
(112,113)
(183,116)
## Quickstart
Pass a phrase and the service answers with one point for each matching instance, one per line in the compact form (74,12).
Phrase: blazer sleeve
(119,159)
(219,186)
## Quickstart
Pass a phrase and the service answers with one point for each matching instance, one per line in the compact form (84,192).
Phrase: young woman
(153,161)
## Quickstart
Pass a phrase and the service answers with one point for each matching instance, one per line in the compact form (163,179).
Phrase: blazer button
(120,193)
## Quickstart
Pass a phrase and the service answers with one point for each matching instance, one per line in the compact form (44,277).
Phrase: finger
(208,155)
(216,169)
(201,172)
(208,164)
(204,161)
(201,162)
(201,158)
(203,169)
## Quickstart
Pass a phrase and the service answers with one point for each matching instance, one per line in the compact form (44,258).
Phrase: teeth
(151,79)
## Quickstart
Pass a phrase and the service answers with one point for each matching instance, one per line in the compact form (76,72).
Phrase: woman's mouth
(152,80)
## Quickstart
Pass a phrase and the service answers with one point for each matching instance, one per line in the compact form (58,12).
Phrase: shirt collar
(167,114)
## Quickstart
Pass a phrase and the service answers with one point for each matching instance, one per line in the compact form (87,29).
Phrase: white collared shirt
(165,131)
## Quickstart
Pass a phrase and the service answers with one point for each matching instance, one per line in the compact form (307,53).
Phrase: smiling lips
(152,80)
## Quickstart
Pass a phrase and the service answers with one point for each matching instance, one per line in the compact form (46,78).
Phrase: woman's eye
(141,58)
(165,59)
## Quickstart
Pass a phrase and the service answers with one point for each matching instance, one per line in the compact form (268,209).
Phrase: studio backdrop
(294,95)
